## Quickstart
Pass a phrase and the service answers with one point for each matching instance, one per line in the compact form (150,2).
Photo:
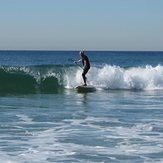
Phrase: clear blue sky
(81,24)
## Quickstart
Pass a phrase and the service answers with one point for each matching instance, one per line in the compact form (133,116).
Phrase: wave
(140,78)
(31,79)
(57,78)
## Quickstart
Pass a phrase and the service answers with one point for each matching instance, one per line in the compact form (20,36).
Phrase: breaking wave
(57,78)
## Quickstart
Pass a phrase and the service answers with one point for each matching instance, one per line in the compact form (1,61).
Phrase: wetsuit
(87,67)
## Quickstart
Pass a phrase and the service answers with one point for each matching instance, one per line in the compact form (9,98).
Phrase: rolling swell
(31,79)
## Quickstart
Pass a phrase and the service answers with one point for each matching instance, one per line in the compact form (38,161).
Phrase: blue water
(44,119)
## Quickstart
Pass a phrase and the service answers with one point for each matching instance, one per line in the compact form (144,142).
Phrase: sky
(129,25)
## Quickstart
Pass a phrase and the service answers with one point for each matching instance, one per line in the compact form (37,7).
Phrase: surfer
(86,66)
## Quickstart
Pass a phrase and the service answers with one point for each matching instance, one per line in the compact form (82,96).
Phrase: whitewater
(115,77)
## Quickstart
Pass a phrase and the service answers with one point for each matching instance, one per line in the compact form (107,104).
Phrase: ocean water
(44,119)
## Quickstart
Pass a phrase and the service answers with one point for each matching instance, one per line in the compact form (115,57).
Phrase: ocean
(44,119)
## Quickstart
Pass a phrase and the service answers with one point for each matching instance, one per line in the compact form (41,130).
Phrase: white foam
(24,118)
(55,142)
(115,77)
(79,136)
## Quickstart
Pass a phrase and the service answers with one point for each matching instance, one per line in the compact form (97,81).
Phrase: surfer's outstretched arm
(80,60)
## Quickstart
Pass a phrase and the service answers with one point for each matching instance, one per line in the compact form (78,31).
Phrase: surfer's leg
(84,77)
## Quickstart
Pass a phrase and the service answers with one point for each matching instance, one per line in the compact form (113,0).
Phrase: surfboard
(88,88)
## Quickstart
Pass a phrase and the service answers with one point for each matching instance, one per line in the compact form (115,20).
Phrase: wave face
(57,78)
(31,79)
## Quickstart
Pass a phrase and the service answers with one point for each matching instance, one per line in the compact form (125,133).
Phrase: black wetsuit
(87,67)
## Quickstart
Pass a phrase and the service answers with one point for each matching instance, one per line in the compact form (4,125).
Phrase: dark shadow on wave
(25,84)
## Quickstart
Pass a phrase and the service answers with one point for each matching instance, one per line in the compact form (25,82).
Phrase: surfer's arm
(80,60)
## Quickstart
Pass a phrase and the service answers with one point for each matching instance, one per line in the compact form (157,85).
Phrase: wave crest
(55,78)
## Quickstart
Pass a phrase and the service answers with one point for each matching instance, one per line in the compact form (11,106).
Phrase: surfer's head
(81,53)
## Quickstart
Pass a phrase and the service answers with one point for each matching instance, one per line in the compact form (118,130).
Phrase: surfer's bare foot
(84,84)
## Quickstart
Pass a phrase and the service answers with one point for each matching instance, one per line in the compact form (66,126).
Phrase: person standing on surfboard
(86,66)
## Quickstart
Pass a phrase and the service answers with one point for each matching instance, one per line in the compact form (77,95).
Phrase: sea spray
(115,77)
